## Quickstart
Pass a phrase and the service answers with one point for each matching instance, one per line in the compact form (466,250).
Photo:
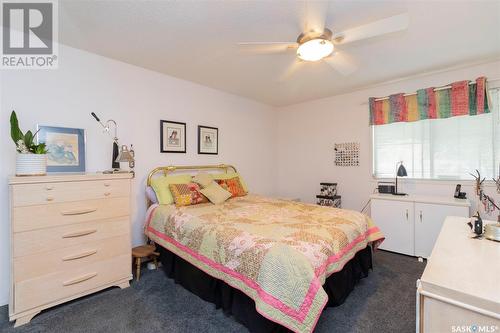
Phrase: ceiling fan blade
(373,29)
(290,70)
(342,63)
(314,16)
(267,47)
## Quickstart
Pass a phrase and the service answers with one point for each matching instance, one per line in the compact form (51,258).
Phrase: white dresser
(70,236)
(460,288)
(410,223)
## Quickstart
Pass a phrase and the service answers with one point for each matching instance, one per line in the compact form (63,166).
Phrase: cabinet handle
(420,216)
(407,214)
(107,184)
(79,255)
(107,194)
(80,233)
(79,211)
(50,198)
(49,188)
(79,279)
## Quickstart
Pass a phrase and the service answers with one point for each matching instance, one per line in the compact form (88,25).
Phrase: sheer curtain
(440,148)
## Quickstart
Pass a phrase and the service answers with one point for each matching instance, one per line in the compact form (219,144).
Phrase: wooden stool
(143,251)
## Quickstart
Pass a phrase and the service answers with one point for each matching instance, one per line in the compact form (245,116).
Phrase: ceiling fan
(318,43)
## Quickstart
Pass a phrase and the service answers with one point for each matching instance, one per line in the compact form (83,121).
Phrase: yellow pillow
(215,193)
(229,175)
(162,190)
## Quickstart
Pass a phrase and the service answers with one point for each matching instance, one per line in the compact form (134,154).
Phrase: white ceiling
(196,41)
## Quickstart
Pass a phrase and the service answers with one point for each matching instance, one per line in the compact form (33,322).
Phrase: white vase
(31,164)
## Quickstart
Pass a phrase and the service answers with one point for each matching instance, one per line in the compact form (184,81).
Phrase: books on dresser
(70,236)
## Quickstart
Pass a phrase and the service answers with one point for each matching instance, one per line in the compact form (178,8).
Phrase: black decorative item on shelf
(328,195)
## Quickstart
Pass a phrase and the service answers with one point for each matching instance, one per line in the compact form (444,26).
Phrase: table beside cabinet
(410,223)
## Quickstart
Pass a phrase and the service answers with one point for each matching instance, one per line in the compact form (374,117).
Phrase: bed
(273,264)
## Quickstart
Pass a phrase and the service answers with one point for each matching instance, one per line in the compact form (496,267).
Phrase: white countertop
(464,269)
(423,199)
(62,177)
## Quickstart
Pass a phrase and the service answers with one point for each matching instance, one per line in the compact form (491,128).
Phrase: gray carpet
(383,302)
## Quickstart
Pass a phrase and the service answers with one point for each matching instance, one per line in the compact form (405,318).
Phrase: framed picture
(172,137)
(66,148)
(208,140)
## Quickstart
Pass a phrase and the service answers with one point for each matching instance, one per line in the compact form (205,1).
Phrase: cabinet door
(428,221)
(395,220)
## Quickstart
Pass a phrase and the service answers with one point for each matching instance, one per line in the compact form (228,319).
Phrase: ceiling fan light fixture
(315,49)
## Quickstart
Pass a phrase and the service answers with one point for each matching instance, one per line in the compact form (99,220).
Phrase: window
(440,148)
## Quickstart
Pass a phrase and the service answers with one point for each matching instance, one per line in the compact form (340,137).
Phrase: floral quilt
(277,252)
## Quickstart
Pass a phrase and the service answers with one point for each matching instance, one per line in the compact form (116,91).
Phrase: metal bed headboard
(174,168)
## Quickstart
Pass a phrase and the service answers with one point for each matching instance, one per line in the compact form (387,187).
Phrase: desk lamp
(400,172)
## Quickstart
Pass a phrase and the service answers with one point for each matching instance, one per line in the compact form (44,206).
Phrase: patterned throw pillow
(232,185)
(162,190)
(187,194)
(230,175)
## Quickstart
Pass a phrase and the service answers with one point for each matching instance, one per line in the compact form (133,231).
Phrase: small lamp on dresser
(127,155)
(400,172)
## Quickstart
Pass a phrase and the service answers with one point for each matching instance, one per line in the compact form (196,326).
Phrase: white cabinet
(411,224)
(395,220)
(428,221)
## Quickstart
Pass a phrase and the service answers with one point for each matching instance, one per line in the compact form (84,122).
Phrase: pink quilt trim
(320,270)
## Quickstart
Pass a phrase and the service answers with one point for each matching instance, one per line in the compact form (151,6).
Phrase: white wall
(136,99)
(308,131)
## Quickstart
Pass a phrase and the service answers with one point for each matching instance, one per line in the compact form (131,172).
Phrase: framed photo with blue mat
(66,148)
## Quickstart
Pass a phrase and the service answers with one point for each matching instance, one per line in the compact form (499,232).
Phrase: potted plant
(31,158)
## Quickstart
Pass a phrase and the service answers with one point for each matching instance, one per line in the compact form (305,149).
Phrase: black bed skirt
(233,302)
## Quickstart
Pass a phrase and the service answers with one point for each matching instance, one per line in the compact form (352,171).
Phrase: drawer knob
(107,184)
(79,279)
(107,194)
(50,198)
(80,233)
(49,187)
(79,255)
(79,211)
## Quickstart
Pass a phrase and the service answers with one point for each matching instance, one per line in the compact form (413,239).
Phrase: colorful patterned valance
(460,99)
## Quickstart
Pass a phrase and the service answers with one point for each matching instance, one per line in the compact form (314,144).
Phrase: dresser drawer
(58,214)
(42,240)
(70,258)
(46,193)
(52,287)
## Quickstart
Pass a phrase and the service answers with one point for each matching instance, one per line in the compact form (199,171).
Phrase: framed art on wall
(66,148)
(208,140)
(172,137)
(347,154)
